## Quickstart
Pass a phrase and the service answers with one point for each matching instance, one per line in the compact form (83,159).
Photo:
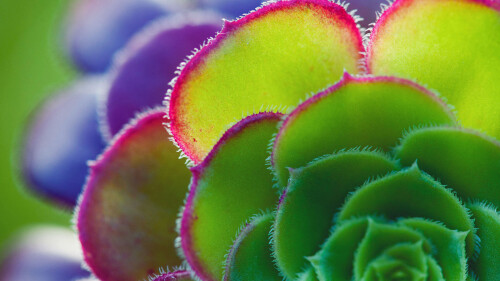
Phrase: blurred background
(32,66)
(35,39)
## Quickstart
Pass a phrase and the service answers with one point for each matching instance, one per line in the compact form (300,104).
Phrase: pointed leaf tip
(463,159)
(305,214)
(327,122)
(407,194)
(181,275)
(250,257)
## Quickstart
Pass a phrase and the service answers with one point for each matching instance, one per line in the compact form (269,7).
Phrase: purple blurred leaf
(44,254)
(96,29)
(62,137)
(148,63)
(233,8)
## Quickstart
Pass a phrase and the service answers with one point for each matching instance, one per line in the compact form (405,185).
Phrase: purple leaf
(96,29)
(63,136)
(148,64)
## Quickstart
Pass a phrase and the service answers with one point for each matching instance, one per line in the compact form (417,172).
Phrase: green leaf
(371,248)
(390,241)
(270,58)
(335,260)
(465,160)
(315,193)
(308,275)
(412,254)
(250,258)
(411,193)
(435,272)
(390,269)
(449,248)
(126,219)
(451,46)
(227,188)
(357,112)
(487,265)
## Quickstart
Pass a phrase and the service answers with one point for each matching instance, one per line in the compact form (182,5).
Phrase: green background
(32,67)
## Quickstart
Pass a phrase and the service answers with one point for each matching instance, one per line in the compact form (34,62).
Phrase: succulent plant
(76,125)
(380,178)
(141,72)
(317,150)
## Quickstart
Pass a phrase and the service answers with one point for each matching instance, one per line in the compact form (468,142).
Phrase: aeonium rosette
(392,219)
(374,177)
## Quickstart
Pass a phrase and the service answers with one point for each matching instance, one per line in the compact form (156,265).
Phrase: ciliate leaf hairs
(391,175)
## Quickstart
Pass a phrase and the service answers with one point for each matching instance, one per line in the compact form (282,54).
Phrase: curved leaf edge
(185,218)
(136,43)
(141,119)
(192,61)
(347,79)
(388,10)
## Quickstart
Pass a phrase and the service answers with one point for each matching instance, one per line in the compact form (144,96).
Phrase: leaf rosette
(378,180)
(374,177)
(405,209)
